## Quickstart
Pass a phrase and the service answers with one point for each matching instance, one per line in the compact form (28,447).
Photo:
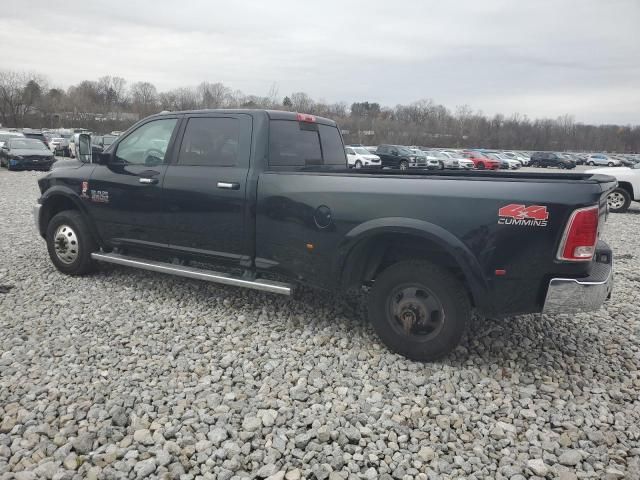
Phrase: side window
(350,151)
(332,147)
(147,145)
(293,144)
(210,141)
(394,151)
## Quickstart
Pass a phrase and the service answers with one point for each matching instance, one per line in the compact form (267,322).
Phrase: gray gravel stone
(127,374)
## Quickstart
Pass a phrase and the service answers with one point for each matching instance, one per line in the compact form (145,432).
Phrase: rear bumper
(571,295)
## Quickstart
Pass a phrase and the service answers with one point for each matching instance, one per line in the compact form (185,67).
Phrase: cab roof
(271,114)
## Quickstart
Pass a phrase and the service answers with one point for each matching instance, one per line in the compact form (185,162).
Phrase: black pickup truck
(264,200)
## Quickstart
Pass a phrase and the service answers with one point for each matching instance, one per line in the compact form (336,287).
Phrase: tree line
(111,103)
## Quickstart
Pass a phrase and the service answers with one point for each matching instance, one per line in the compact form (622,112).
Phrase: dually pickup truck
(264,200)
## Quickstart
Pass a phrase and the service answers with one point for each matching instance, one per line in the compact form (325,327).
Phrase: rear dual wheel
(419,310)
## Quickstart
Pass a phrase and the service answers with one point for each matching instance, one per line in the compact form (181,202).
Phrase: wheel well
(53,206)
(372,256)
(626,186)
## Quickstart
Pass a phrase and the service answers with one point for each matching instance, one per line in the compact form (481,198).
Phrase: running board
(190,272)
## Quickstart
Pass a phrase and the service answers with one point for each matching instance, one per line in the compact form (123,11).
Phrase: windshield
(437,154)
(404,151)
(27,144)
(362,151)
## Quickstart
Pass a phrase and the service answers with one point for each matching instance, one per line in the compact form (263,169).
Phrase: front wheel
(610,164)
(70,243)
(591,164)
(404,165)
(419,310)
(619,201)
(480,166)
(358,164)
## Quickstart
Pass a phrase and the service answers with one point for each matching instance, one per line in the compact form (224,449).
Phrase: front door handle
(229,185)
(148,181)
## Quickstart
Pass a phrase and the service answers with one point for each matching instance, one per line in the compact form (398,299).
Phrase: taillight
(581,236)
(305,117)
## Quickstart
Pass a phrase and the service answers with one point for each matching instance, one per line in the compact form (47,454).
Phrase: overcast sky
(539,58)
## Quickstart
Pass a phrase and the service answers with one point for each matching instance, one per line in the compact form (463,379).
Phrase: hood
(608,170)
(27,152)
(68,163)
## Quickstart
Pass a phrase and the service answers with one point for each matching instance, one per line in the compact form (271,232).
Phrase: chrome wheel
(66,244)
(416,311)
(615,200)
(358,164)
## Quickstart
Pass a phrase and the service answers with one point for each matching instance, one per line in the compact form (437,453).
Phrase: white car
(628,188)
(58,145)
(6,135)
(358,157)
(513,163)
(602,159)
(516,156)
(455,161)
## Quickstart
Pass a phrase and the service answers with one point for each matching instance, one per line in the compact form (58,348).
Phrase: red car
(481,161)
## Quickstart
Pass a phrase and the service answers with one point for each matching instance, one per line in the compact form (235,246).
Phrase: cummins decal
(521,215)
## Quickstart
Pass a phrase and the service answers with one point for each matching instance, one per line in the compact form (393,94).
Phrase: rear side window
(210,142)
(300,144)
(332,147)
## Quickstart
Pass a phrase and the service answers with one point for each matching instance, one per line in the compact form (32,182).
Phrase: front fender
(465,259)
(52,196)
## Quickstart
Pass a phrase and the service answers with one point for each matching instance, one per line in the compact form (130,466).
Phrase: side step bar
(197,273)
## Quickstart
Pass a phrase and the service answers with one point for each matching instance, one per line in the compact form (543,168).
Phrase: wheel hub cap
(417,311)
(66,244)
(615,200)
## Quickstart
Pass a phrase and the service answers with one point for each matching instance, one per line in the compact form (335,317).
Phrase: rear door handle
(148,181)
(229,185)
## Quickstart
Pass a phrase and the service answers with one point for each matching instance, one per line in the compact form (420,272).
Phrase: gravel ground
(129,374)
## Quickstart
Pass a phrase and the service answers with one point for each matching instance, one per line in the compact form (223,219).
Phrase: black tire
(442,287)
(616,197)
(404,165)
(610,164)
(358,164)
(591,164)
(480,166)
(78,261)
(441,165)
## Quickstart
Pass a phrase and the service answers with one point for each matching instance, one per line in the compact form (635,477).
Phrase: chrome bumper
(36,216)
(572,295)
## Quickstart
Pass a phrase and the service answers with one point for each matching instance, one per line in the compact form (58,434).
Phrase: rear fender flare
(465,259)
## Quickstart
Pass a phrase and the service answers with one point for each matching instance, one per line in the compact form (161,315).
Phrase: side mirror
(84,148)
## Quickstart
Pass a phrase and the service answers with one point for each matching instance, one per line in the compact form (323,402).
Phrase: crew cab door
(204,188)
(124,192)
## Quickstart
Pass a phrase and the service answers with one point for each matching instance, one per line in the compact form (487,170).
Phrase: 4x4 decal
(517,214)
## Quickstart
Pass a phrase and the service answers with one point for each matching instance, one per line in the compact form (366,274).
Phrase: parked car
(5,136)
(26,154)
(253,192)
(454,160)
(59,146)
(550,159)
(423,160)
(450,160)
(396,156)
(481,161)
(517,156)
(359,157)
(36,135)
(627,190)
(601,159)
(507,163)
